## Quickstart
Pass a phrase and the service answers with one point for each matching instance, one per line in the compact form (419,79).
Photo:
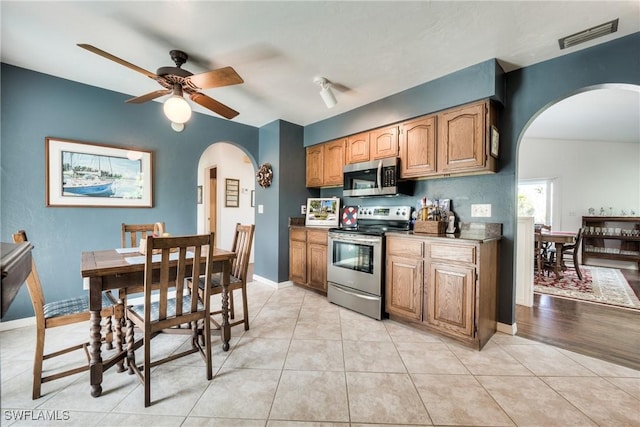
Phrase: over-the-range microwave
(375,178)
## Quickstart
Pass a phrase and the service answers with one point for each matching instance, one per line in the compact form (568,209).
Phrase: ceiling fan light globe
(328,97)
(177,109)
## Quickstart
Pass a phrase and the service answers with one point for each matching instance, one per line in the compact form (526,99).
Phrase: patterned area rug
(598,284)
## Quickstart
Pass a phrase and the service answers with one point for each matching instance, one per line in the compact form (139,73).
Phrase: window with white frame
(535,198)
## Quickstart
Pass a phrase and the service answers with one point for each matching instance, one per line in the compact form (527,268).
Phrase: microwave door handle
(379,176)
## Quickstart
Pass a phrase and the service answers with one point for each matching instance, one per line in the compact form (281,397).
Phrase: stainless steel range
(355,271)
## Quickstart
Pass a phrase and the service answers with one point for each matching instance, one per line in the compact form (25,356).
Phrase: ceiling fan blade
(116,59)
(149,96)
(213,105)
(221,77)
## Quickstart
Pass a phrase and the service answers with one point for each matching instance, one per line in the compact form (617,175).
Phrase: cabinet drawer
(317,236)
(406,247)
(298,234)
(452,252)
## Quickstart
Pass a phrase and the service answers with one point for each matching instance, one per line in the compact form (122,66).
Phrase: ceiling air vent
(590,34)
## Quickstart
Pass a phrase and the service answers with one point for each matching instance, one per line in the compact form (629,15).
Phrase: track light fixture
(325,92)
(176,108)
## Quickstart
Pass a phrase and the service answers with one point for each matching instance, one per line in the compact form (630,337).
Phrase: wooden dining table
(112,270)
(559,239)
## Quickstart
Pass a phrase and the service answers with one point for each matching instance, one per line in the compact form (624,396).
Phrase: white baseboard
(271,283)
(507,329)
(18,323)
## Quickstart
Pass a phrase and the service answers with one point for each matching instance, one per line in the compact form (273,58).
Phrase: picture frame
(495,141)
(231,193)
(84,174)
(323,212)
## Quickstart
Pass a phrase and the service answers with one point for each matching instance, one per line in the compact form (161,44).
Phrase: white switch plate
(303,209)
(481,210)
(260,209)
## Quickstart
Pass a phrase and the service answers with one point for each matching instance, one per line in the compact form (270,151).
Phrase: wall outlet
(481,210)
(260,209)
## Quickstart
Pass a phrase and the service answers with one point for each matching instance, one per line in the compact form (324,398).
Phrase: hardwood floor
(605,332)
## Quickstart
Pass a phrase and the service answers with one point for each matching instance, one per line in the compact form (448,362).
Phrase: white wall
(231,162)
(588,175)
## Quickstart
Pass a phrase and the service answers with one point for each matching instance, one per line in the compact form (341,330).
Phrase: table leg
(95,336)
(558,266)
(225,329)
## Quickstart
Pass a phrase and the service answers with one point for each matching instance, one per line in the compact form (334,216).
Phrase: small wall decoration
(232,193)
(265,175)
(495,142)
(80,174)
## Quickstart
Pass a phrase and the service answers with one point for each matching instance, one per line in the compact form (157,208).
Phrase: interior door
(213,201)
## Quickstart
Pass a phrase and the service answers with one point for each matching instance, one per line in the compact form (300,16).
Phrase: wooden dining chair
(61,313)
(131,233)
(542,261)
(242,242)
(173,305)
(571,252)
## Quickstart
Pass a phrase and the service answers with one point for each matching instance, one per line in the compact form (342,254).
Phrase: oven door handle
(357,240)
(358,295)
(379,176)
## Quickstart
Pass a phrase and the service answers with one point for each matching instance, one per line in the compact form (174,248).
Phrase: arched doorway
(226,186)
(591,171)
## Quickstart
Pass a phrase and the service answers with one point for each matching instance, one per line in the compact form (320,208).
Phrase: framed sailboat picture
(80,174)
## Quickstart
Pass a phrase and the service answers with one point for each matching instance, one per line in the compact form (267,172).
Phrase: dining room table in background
(123,268)
(559,239)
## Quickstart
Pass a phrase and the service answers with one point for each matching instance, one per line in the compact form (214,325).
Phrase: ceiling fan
(177,81)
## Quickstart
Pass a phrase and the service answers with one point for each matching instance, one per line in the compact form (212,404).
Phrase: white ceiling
(370,50)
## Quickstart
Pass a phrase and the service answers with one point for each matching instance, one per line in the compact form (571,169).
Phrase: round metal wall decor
(265,175)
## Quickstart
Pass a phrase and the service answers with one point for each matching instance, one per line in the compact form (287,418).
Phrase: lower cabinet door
(404,287)
(449,298)
(298,261)
(317,266)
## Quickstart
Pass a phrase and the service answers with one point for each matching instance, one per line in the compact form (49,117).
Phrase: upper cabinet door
(461,138)
(334,162)
(314,166)
(418,147)
(358,148)
(384,142)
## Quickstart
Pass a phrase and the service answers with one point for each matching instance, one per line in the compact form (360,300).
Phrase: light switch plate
(481,210)
(303,209)
(260,209)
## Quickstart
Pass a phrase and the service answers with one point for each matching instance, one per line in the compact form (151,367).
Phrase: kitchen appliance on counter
(355,270)
(375,178)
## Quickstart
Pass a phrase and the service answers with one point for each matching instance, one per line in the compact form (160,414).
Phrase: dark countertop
(472,232)
(470,236)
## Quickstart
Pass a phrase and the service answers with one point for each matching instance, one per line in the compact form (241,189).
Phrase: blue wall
(35,106)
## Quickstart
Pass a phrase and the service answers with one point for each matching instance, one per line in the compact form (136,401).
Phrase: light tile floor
(306,362)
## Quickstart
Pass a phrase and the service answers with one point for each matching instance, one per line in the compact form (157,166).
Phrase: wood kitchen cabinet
(372,145)
(324,164)
(444,284)
(308,257)
(358,148)
(315,166)
(404,278)
(418,147)
(463,139)
(383,142)
(453,142)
